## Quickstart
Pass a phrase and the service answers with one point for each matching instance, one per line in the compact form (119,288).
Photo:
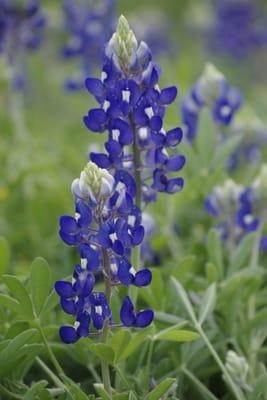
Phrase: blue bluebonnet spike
(131,109)
(89,25)
(210,90)
(225,35)
(21,30)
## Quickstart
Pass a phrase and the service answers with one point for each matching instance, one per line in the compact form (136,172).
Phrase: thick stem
(104,336)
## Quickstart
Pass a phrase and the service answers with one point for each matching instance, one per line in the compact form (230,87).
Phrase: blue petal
(94,86)
(144,318)
(124,275)
(95,120)
(143,277)
(100,159)
(71,240)
(156,123)
(175,185)
(64,289)
(138,235)
(68,306)
(68,334)
(174,137)
(68,224)
(85,214)
(168,95)
(175,163)
(127,312)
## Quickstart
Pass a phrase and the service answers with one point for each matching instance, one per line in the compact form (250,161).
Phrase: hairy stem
(104,336)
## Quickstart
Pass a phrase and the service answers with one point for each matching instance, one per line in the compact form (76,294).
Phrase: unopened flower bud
(237,367)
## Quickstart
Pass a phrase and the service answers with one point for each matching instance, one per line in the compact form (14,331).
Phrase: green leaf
(103,351)
(75,392)
(136,340)
(20,293)
(215,250)
(154,293)
(161,389)
(100,390)
(35,390)
(4,255)
(119,342)
(185,300)
(212,272)
(8,302)
(184,268)
(39,283)
(169,318)
(208,303)
(175,334)
(51,302)
(242,253)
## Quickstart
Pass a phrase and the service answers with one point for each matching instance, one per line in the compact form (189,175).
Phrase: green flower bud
(237,367)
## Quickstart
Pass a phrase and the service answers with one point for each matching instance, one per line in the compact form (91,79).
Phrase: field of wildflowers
(133,200)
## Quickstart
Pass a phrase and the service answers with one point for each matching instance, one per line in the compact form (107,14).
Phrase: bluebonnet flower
(252,212)
(131,109)
(89,25)
(239,28)
(107,223)
(253,134)
(21,29)
(213,91)
(223,204)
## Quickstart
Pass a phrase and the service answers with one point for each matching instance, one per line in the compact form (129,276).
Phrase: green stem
(9,394)
(196,381)
(254,259)
(53,359)
(238,394)
(104,336)
(51,374)
(149,358)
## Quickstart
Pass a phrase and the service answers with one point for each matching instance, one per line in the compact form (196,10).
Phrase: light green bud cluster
(237,367)
(210,83)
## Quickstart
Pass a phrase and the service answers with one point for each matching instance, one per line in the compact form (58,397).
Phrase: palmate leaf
(119,343)
(185,300)
(176,334)
(214,246)
(18,290)
(39,283)
(207,304)
(103,351)
(38,392)
(161,389)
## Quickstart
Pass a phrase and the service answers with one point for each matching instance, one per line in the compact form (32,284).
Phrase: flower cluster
(223,204)
(239,28)
(131,108)
(253,135)
(21,28)
(106,226)
(253,211)
(89,25)
(213,91)
(238,209)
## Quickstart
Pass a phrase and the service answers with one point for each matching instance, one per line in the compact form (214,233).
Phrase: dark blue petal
(64,289)
(71,240)
(175,163)
(138,235)
(174,137)
(94,86)
(168,95)
(118,248)
(100,159)
(68,334)
(85,214)
(143,277)
(127,312)
(144,318)
(98,320)
(175,185)
(68,224)
(155,123)
(68,306)
(95,120)
(125,277)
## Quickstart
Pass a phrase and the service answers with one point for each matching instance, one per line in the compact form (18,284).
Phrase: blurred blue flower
(239,28)
(21,29)
(89,25)
(213,91)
